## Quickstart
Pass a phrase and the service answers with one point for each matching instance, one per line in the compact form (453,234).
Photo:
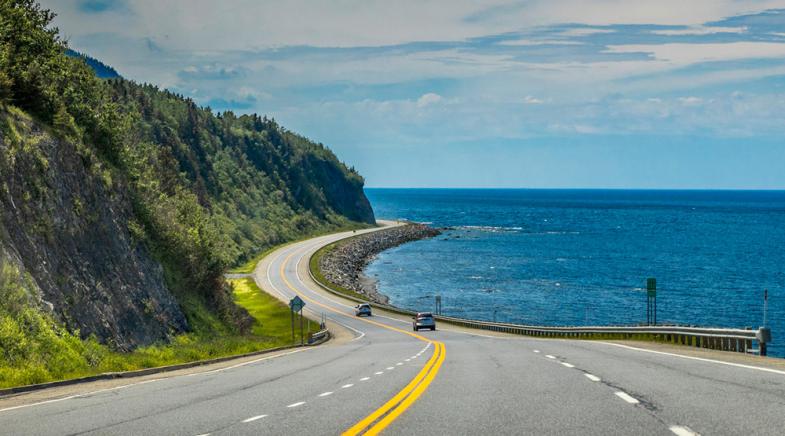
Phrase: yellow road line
(397,399)
(408,395)
(408,401)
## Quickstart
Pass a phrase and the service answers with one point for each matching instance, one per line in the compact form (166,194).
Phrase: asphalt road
(384,377)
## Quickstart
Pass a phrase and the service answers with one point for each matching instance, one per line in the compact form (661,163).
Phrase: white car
(424,320)
(362,309)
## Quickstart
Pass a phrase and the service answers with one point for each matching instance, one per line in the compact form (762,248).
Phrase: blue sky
(536,93)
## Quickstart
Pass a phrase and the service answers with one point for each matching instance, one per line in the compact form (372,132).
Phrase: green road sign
(651,286)
(296,304)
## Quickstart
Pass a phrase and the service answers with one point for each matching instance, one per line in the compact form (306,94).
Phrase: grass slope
(35,349)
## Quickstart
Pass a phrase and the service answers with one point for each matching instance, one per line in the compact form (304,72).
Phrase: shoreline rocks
(344,264)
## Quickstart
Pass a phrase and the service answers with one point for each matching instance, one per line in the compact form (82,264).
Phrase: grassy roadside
(316,271)
(35,349)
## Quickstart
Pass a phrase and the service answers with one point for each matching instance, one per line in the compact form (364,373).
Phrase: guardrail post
(764,337)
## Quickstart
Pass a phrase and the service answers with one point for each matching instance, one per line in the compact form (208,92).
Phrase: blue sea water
(577,257)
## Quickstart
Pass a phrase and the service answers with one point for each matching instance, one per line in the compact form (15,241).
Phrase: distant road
(379,375)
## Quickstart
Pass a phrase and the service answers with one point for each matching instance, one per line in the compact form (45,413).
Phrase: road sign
(296,304)
(651,287)
(651,301)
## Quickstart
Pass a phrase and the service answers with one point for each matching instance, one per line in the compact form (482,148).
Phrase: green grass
(273,318)
(35,349)
(317,271)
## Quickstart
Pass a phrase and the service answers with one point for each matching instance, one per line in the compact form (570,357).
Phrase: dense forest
(122,205)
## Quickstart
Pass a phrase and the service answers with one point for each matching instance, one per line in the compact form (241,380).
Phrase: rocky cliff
(125,203)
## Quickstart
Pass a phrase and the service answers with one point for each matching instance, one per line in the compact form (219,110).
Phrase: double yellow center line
(382,417)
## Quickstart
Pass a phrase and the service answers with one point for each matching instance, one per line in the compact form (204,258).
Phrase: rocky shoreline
(344,264)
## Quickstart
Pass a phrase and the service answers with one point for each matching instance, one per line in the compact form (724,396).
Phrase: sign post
(296,304)
(438,305)
(651,301)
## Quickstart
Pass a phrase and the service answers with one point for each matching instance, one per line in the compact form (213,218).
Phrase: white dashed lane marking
(626,397)
(536,351)
(379,372)
(399,364)
(325,394)
(255,418)
(592,377)
(390,368)
(365,379)
(347,386)
(549,356)
(681,430)
(296,404)
(568,365)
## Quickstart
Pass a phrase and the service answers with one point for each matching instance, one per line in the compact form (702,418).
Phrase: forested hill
(101,69)
(121,205)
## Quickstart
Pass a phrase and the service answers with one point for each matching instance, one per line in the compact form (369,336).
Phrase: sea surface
(581,257)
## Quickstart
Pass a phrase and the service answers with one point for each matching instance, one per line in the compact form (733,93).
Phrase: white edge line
(116,388)
(701,359)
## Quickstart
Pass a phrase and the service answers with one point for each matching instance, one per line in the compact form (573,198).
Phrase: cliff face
(126,203)
(64,226)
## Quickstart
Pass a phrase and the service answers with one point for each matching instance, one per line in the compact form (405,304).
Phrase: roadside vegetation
(198,191)
(316,271)
(35,349)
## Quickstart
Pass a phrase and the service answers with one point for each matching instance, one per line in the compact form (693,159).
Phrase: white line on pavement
(255,418)
(681,430)
(390,368)
(325,394)
(536,351)
(347,386)
(298,404)
(592,377)
(626,397)
(702,359)
(399,364)
(568,365)
(550,356)
(379,372)
(365,379)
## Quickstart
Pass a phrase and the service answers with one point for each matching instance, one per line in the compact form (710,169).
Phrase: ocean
(581,257)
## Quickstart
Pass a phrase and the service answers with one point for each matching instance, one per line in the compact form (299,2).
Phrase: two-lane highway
(386,377)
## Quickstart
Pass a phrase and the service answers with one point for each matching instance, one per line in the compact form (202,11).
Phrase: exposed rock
(344,264)
(68,229)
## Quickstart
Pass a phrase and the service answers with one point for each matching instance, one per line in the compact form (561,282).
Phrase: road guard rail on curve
(738,340)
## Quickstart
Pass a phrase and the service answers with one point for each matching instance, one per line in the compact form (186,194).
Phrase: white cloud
(250,24)
(532,100)
(428,99)
(684,53)
(585,31)
(699,30)
(536,42)
(691,101)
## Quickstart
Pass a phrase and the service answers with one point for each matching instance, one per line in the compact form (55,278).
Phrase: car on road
(424,320)
(362,310)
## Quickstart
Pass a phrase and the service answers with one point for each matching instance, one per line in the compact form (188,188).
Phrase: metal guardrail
(319,337)
(738,340)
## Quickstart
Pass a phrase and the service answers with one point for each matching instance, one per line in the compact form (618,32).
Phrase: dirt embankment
(344,264)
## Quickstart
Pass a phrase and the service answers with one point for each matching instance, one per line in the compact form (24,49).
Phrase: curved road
(378,375)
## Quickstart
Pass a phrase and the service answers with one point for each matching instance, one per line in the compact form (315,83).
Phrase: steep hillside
(123,204)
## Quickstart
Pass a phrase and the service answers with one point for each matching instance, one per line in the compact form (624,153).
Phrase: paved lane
(445,382)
